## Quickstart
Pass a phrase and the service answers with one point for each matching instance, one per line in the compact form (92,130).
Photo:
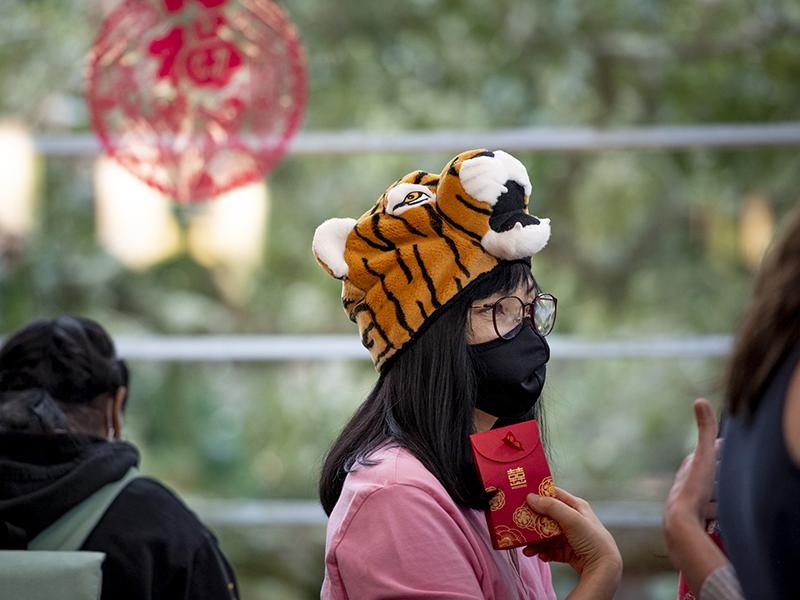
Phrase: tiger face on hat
(425,239)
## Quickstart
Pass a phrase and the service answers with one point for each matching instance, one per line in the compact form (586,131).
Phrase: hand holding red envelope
(512,464)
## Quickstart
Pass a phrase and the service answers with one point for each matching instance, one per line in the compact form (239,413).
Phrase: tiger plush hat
(425,239)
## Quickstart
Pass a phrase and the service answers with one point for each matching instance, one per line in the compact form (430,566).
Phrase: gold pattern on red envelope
(507,537)
(527,519)
(546,527)
(547,487)
(516,478)
(498,501)
(524,517)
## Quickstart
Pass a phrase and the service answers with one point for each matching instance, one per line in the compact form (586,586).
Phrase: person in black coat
(62,397)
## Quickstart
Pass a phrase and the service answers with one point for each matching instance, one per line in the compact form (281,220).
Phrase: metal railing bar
(266,348)
(539,139)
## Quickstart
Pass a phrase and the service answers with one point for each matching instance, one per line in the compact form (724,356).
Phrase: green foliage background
(644,243)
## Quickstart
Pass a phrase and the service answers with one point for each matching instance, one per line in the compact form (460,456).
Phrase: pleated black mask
(511,373)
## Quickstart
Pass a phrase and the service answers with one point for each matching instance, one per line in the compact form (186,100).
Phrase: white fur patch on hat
(329,242)
(518,242)
(515,169)
(484,178)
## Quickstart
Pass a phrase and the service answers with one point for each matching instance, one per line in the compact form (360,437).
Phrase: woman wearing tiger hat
(437,276)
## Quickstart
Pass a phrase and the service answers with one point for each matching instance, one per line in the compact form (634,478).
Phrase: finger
(550,546)
(546,546)
(683,470)
(686,461)
(543,551)
(575,502)
(705,455)
(711,511)
(556,509)
(706,428)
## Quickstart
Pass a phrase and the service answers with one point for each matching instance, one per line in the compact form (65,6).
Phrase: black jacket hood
(44,475)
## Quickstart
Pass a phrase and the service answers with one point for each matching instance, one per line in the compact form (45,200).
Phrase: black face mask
(511,372)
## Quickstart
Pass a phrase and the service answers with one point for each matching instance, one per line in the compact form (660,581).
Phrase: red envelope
(511,463)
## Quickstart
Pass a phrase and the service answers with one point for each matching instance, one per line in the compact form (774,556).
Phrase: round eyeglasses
(509,313)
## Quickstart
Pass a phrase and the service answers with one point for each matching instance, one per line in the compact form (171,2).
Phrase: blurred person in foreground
(63,393)
(757,491)
(437,275)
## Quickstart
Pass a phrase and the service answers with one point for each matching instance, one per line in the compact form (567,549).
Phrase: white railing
(539,139)
(267,348)
(261,348)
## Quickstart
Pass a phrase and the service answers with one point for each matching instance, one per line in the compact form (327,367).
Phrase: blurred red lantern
(196,97)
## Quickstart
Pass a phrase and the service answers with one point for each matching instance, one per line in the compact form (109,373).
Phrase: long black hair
(425,398)
(770,328)
(52,371)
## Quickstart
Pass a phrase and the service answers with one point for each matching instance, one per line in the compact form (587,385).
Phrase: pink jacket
(396,533)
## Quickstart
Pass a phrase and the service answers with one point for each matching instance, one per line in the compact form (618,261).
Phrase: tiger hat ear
(328,245)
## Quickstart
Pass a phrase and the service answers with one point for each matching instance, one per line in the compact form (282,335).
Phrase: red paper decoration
(196,97)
